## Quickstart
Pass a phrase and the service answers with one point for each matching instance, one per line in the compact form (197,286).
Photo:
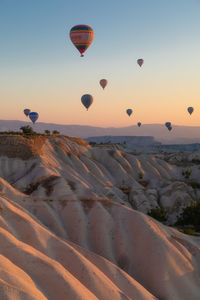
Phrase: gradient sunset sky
(40,68)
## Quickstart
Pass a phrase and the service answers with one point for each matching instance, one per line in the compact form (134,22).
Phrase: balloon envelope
(87,100)
(169,128)
(140,62)
(27,111)
(103,83)
(82,37)
(168,124)
(190,110)
(129,111)
(139,124)
(33,116)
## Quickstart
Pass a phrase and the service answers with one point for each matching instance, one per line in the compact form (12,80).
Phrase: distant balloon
(140,62)
(129,111)
(33,116)
(190,110)
(168,124)
(82,37)
(103,83)
(27,112)
(139,124)
(87,100)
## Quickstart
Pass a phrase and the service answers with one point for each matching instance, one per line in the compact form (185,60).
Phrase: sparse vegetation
(140,175)
(11,133)
(92,143)
(47,132)
(189,231)
(28,130)
(158,213)
(186,173)
(195,185)
(124,188)
(190,216)
(144,183)
(55,132)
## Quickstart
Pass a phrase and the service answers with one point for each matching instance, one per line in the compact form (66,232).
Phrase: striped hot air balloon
(82,37)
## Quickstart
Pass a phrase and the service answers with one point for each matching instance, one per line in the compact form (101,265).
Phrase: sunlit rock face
(74,224)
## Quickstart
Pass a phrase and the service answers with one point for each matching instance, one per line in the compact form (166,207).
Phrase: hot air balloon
(140,62)
(27,112)
(190,110)
(82,37)
(33,116)
(103,83)
(139,124)
(87,100)
(129,111)
(168,124)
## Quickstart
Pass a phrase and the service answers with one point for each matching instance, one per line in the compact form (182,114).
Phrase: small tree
(27,129)
(47,131)
(55,132)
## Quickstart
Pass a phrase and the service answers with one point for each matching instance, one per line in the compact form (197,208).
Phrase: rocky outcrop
(74,216)
(60,166)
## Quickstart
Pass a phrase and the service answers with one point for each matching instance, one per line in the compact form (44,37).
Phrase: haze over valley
(179,135)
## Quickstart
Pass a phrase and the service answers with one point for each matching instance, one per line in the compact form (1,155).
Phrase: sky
(41,69)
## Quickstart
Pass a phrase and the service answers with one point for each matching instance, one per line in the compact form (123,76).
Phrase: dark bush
(55,132)
(189,231)
(140,175)
(190,216)
(47,132)
(186,173)
(27,130)
(158,213)
(194,184)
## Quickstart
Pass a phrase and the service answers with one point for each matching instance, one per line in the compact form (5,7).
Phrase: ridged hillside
(73,223)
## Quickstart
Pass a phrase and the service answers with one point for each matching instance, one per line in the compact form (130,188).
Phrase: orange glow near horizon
(43,71)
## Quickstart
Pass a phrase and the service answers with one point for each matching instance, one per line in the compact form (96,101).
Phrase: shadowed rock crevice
(46,183)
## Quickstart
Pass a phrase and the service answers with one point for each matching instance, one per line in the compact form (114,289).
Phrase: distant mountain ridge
(179,134)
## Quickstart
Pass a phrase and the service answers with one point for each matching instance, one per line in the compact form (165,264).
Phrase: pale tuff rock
(175,197)
(68,229)
(68,167)
(144,200)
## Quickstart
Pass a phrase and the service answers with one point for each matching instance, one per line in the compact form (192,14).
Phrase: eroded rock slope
(68,226)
